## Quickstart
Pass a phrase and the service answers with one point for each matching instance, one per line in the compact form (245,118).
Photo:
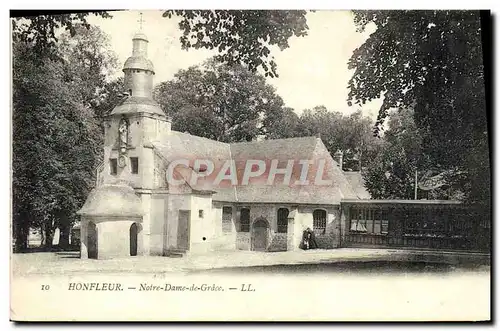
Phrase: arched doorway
(260,235)
(92,240)
(134,232)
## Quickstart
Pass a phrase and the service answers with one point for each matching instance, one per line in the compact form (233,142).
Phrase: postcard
(251,165)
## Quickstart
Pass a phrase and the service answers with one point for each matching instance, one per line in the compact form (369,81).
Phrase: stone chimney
(338,157)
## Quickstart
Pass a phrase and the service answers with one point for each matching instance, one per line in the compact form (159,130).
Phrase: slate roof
(177,145)
(139,62)
(134,105)
(357,183)
(112,199)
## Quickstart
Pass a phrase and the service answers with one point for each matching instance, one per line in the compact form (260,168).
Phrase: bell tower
(138,69)
(136,122)
(117,215)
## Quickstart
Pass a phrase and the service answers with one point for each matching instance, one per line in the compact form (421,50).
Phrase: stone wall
(331,237)
(325,241)
(278,242)
(301,218)
(243,241)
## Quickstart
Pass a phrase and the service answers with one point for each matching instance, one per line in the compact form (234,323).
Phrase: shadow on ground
(38,249)
(68,255)
(350,267)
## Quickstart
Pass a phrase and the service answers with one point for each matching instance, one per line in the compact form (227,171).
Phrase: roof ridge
(199,137)
(268,140)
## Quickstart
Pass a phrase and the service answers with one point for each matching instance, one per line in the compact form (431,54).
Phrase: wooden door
(183,229)
(133,240)
(260,235)
(92,240)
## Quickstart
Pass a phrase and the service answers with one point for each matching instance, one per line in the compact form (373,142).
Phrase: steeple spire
(138,69)
(140,21)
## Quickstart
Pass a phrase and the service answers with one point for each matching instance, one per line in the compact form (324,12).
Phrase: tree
(40,31)
(89,61)
(56,132)
(360,145)
(281,123)
(392,173)
(218,101)
(241,36)
(352,134)
(54,146)
(109,96)
(430,61)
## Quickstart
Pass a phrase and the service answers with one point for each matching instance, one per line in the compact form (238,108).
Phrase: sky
(312,71)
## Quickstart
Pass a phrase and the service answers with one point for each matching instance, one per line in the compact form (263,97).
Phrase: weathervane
(140,21)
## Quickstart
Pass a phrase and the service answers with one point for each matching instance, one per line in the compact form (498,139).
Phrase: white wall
(201,227)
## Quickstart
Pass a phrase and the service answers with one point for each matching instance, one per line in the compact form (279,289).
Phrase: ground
(316,285)
(307,261)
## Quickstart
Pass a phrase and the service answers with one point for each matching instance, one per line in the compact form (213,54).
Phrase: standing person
(304,243)
(311,239)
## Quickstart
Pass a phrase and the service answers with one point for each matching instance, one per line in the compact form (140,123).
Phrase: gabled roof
(178,145)
(357,183)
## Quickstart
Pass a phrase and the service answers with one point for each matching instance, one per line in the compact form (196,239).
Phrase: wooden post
(416,182)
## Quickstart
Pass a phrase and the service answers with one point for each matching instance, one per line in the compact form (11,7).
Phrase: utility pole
(416,183)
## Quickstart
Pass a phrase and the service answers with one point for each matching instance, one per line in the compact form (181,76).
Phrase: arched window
(282,220)
(319,221)
(245,220)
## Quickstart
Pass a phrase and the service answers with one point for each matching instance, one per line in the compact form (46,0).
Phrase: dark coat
(309,237)
(312,240)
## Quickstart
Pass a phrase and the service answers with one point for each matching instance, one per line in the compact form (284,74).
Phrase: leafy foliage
(430,61)
(241,36)
(352,134)
(89,60)
(392,173)
(231,104)
(54,148)
(281,123)
(217,101)
(109,96)
(41,31)
(56,134)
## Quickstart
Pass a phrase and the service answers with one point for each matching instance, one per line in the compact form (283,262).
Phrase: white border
(5,141)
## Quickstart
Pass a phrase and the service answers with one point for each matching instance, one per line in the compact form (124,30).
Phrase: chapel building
(163,192)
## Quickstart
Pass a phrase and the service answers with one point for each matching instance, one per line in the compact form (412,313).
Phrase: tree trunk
(64,236)
(21,232)
(49,234)
(42,236)
(359,161)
